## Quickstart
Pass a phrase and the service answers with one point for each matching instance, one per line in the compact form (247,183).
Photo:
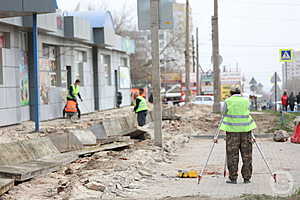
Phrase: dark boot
(247,181)
(231,181)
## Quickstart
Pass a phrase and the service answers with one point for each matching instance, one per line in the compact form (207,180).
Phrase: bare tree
(123,19)
(141,69)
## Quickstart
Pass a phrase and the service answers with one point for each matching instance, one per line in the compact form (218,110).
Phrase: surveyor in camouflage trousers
(238,124)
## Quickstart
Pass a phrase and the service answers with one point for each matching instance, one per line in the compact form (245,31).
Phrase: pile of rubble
(195,120)
(104,175)
(24,131)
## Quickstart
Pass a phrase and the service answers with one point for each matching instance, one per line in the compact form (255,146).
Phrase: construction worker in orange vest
(72,99)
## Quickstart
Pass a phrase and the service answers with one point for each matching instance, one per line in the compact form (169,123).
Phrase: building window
(107,69)
(23,41)
(124,62)
(4,40)
(80,59)
(50,54)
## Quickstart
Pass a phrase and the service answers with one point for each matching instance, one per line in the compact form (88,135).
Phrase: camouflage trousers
(235,143)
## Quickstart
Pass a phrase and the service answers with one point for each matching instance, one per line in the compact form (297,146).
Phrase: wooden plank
(113,139)
(106,147)
(5,185)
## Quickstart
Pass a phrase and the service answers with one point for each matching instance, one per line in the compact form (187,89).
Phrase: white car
(203,100)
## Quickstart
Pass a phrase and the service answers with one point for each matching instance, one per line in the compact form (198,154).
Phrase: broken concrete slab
(27,170)
(113,139)
(66,142)
(119,126)
(131,120)
(23,151)
(106,147)
(112,127)
(86,137)
(5,185)
(99,131)
(61,159)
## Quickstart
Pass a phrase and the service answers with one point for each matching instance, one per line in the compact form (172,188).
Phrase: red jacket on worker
(284,100)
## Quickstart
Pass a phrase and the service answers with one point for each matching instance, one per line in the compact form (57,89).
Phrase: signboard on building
(165,14)
(124,78)
(24,79)
(207,89)
(231,78)
(225,91)
(128,45)
(193,78)
(286,55)
(171,77)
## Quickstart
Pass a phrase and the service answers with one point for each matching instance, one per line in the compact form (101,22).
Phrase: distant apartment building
(171,42)
(291,74)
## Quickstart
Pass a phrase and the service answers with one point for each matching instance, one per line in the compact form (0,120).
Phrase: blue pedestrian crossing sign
(286,55)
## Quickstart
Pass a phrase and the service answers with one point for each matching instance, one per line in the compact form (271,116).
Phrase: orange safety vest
(71,107)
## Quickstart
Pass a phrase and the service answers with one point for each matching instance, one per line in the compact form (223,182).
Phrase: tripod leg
(225,166)
(264,159)
(211,150)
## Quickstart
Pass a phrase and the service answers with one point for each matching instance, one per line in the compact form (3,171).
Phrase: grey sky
(251,32)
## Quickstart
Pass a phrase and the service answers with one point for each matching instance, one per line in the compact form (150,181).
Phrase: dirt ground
(112,174)
(264,121)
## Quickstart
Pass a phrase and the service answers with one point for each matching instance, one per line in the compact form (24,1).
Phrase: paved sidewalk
(282,157)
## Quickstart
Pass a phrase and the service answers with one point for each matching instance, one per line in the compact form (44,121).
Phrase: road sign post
(286,56)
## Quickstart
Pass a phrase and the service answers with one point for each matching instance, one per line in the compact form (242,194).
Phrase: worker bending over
(141,108)
(238,125)
(73,94)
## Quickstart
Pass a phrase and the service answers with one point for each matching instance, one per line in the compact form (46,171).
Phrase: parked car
(173,95)
(203,100)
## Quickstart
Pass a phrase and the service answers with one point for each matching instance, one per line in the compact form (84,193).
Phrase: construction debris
(280,136)
(119,165)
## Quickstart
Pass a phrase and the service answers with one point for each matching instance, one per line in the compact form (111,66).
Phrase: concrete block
(24,151)
(5,185)
(61,159)
(99,131)
(132,121)
(112,127)
(39,147)
(86,137)
(65,142)
(27,170)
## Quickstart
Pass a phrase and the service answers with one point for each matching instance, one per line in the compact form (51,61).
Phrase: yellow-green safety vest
(237,118)
(75,91)
(142,105)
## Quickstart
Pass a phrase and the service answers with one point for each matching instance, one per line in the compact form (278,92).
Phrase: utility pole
(286,76)
(216,59)
(187,54)
(156,82)
(197,69)
(193,54)
(275,91)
